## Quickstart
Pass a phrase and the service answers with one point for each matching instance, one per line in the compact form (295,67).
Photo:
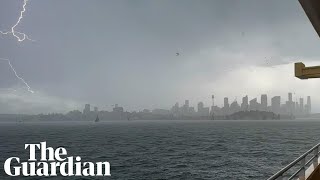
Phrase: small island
(257,115)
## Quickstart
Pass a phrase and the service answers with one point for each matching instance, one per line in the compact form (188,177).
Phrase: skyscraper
(290,97)
(186,108)
(264,102)
(301,110)
(254,105)
(175,109)
(117,109)
(212,107)
(226,102)
(226,106)
(308,105)
(203,111)
(290,104)
(245,104)
(276,104)
(212,100)
(186,103)
(234,107)
(86,109)
(200,106)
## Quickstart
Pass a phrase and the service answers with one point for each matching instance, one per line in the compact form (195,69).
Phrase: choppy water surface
(171,149)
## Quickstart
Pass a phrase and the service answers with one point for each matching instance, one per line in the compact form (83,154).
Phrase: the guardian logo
(53,162)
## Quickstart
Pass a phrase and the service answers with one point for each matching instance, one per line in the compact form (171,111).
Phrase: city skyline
(248,109)
(273,104)
(212,100)
(125,52)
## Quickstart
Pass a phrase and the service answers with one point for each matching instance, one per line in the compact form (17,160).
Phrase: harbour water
(170,149)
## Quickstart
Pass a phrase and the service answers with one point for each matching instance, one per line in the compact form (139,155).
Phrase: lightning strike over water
(16,74)
(19,35)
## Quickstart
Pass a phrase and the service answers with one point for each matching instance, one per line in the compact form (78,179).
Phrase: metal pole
(316,157)
(302,174)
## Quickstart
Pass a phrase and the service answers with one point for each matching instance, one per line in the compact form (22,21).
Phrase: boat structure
(305,167)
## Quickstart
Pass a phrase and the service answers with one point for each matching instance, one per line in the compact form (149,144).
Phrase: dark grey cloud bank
(106,52)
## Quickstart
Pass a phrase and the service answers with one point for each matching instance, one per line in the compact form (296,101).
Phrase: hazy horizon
(124,52)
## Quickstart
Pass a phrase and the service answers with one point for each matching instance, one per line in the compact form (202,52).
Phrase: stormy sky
(121,51)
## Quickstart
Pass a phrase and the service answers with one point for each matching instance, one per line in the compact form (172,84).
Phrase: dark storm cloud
(107,52)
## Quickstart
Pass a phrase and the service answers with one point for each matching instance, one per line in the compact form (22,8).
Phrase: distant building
(226,102)
(117,109)
(276,104)
(160,112)
(202,111)
(225,108)
(86,109)
(290,97)
(216,111)
(95,109)
(254,105)
(308,105)
(264,102)
(200,106)
(245,104)
(290,105)
(186,108)
(234,107)
(301,105)
(75,114)
(186,103)
(191,110)
(212,106)
(206,111)
(175,109)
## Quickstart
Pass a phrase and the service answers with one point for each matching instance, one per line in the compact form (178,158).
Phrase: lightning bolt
(16,74)
(19,35)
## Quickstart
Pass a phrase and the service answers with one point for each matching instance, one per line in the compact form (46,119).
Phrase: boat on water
(307,166)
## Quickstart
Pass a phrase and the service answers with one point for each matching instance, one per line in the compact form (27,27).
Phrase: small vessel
(97,119)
